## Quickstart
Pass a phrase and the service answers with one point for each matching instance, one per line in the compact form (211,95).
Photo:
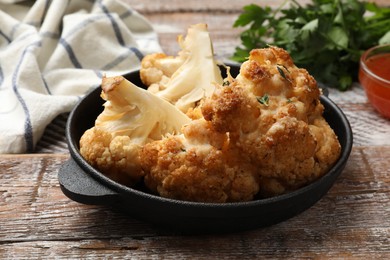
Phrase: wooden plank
(37,220)
(225,38)
(368,126)
(170,6)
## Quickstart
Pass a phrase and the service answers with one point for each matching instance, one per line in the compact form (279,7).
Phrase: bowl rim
(333,172)
(365,68)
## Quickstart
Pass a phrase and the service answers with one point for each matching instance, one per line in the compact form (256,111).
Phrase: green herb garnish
(327,37)
(281,72)
(263,100)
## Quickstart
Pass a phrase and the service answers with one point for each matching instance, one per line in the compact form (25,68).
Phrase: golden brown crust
(263,133)
(192,168)
(286,137)
(116,157)
(196,175)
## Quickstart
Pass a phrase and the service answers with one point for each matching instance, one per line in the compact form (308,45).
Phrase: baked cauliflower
(131,118)
(185,79)
(194,136)
(261,133)
(199,165)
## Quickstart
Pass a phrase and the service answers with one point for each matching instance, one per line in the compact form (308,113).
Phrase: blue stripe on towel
(126,14)
(122,57)
(137,53)
(115,26)
(115,62)
(28,131)
(118,33)
(1,76)
(119,38)
(71,54)
(8,39)
(46,86)
(98,73)
(50,35)
(47,4)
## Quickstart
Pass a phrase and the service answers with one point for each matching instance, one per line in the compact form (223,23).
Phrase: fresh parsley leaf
(263,100)
(281,72)
(327,37)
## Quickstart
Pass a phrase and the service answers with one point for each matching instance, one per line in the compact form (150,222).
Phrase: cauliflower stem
(184,80)
(131,117)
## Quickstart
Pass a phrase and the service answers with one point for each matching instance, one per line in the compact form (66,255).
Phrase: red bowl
(374,76)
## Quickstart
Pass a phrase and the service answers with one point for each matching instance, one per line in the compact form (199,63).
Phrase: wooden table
(351,221)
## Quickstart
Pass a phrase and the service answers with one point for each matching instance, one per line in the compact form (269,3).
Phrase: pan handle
(81,187)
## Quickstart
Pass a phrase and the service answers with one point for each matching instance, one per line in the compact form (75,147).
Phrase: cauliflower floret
(157,69)
(259,134)
(273,114)
(199,165)
(131,117)
(262,133)
(184,80)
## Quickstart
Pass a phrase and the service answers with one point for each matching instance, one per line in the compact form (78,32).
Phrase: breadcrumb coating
(258,135)
(117,157)
(198,166)
(262,134)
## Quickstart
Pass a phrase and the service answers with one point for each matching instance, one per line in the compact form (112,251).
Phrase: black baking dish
(83,183)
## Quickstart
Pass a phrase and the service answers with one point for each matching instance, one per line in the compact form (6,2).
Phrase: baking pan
(83,183)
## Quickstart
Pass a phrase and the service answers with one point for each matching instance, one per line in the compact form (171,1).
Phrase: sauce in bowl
(374,76)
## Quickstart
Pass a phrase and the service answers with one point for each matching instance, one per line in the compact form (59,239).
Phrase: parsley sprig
(327,37)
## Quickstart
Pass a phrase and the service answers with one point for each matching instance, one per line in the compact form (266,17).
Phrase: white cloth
(56,51)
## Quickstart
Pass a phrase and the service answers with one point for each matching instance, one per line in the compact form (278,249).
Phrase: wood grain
(176,6)
(38,221)
(227,6)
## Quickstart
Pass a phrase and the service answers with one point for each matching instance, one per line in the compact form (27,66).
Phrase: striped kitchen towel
(53,52)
